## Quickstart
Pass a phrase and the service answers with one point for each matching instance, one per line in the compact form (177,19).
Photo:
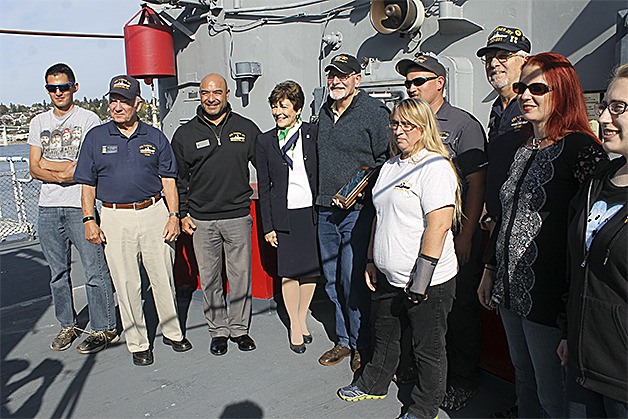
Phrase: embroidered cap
(425,60)
(509,39)
(125,86)
(345,63)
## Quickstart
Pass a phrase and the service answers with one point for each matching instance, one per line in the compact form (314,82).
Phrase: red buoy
(149,46)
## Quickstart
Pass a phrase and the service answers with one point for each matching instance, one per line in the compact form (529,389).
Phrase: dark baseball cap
(509,39)
(427,61)
(125,86)
(345,63)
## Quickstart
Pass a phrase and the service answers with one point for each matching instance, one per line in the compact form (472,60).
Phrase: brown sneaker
(356,360)
(64,339)
(97,341)
(334,355)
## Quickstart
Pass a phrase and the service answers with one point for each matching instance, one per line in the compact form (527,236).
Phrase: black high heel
(299,349)
(307,339)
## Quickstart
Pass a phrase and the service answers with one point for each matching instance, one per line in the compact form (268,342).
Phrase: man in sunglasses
(352,132)
(464,137)
(126,164)
(60,217)
(503,56)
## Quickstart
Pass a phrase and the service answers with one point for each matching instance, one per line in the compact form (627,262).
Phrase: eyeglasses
(501,56)
(52,88)
(405,126)
(616,107)
(537,89)
(341,77)
(419,81)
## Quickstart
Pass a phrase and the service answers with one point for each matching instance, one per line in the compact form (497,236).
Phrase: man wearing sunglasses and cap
(127,164)
(464,137)
(60,217)
(503,56)
(352,132)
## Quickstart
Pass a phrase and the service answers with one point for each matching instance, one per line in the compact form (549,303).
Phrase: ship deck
(270,382)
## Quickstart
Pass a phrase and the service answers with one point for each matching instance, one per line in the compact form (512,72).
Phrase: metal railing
(19,194)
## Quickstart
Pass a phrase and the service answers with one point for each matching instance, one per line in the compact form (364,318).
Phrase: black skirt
(297,250)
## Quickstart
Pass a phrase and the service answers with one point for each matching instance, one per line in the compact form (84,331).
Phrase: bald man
(213,151)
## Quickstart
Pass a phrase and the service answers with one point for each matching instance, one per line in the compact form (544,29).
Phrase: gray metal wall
(582,30)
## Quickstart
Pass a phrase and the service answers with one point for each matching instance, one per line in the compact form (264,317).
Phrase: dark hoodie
(213,179)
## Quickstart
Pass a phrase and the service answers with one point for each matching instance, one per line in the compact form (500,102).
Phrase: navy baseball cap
(427,61)
(125,86)
(509,39)
(345,63)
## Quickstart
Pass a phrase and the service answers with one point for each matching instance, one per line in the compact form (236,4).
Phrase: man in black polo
(213,152)
(464,137)
(127,164)
(503,56)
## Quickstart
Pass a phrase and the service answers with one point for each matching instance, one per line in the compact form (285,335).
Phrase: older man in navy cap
(352,132)
(127,164)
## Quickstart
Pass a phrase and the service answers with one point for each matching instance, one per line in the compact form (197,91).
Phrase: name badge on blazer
(202,144)
(109,149)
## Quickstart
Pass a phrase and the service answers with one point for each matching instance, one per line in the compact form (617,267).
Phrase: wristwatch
(174,214)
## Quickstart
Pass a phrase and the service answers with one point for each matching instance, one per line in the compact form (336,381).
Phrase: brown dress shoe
(335,355)
(356,360)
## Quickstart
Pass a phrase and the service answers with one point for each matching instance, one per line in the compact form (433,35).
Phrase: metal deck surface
(270,382)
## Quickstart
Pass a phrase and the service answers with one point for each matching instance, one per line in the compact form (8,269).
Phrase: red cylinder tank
(149,46)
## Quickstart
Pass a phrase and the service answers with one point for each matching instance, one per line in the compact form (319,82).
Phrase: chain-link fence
(19,195)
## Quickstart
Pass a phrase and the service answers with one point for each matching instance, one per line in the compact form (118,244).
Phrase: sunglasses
(501,56)
(616,107)
(419,81)
(52,88)
(537,89)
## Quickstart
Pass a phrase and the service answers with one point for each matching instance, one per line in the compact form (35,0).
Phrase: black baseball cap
(509,39)
(427,61)
(345,63)
(125,86)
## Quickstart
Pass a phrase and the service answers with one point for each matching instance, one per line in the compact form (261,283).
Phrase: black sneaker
(65,338)
(457,398)
(97,341)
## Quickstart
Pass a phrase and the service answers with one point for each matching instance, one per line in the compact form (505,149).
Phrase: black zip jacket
(596,322)
(213,164)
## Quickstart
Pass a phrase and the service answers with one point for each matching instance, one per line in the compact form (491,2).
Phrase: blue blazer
(272,175)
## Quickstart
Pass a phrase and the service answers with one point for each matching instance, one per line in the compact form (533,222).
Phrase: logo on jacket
(148,149)
(517,122)
(237,137)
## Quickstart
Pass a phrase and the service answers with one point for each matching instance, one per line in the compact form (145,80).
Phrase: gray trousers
(211,238)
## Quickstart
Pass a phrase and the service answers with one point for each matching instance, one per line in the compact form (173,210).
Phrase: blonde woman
(417,199)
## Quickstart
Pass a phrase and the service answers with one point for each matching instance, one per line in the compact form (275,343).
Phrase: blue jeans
(585,403)
(540,377)
(343,237)
(392,314)
(59,228)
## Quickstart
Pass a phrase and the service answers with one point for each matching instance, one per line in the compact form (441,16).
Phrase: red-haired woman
(527,275)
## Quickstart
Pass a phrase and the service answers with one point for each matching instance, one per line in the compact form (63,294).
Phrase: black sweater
(596,324)
(359,138)
(213,179)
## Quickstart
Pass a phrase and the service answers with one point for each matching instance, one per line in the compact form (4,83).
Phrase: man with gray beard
(503,56)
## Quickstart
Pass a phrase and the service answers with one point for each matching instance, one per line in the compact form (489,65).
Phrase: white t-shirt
(60,139)
(405,192)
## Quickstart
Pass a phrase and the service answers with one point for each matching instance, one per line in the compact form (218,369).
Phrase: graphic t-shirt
(611,199)
(60,139)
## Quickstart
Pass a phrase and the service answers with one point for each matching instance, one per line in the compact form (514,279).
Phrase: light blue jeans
(540,377)
(59,228)
(343,238)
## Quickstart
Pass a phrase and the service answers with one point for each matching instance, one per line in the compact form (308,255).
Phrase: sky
(25,59)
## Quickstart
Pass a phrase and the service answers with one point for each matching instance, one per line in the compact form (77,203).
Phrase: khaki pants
(135,237)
